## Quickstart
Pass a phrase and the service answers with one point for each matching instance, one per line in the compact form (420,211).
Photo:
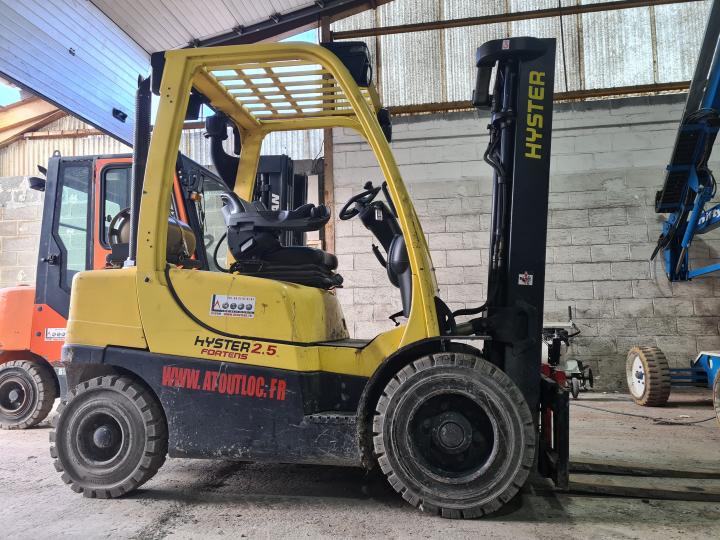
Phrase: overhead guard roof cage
(294,82)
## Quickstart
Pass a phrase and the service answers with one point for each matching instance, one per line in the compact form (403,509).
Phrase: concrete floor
(213,499)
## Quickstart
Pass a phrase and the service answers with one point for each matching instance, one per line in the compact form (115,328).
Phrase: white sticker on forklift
(525,279)
(232,306)
(55,334)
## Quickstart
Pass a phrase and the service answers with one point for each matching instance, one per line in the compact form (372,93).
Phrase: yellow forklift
(254,361)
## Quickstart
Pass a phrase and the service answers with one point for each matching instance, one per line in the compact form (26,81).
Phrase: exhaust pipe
(141,144)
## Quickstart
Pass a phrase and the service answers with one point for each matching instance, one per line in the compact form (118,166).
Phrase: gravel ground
(213,499)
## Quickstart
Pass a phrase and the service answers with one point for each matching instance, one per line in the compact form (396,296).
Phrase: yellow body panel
(104,310)
(282,311)
(287,317)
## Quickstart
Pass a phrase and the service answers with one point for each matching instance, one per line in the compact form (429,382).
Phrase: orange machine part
(48,332)
(16,313)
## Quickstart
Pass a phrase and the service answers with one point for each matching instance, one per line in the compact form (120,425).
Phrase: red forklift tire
(27,394)
(648,376)
(110,437)
(716,396)
(454,435)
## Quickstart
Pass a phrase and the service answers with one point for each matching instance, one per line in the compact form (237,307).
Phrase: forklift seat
(253,237)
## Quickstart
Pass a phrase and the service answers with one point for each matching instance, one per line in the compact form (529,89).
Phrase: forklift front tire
(454,435)
(648,376)
(110,437)
(27,394)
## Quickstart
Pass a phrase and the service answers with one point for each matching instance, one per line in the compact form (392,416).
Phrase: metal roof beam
(573,95)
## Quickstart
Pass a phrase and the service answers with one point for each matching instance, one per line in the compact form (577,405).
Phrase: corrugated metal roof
(22,157)
(645,45)
(158,25)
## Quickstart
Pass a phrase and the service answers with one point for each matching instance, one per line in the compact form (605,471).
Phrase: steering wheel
(116,225)
(360,200)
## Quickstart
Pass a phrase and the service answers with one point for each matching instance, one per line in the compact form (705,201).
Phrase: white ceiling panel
(85,55)
(46,47)
(158,25)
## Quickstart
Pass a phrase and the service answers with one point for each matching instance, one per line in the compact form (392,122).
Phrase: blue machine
(689,186)
(689,183)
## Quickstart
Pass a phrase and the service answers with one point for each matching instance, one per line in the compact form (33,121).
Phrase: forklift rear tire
(110,437)
(454,435)
(27,394)
(648,376)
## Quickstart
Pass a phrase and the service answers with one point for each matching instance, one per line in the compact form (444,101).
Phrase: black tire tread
(47,392)
(155,444)
(657,383)
(459,360)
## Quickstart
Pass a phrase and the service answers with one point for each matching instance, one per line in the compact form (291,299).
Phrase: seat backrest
(181,242)
(379,219)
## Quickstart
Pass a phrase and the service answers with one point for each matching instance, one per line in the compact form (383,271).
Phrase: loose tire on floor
(27,393)
(110,437)
(454,435)
(648,376)
(575,387)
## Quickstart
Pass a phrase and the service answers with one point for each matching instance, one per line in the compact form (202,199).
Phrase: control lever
(379,256)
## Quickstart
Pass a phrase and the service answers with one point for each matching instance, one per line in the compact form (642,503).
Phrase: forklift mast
(521,105)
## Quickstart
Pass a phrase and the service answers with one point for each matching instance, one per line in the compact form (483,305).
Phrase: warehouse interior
(623,70)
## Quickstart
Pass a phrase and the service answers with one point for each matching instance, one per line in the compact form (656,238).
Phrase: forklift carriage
(254,361)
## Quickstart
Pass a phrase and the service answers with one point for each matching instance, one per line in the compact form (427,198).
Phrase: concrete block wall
(608,159)
(20,213)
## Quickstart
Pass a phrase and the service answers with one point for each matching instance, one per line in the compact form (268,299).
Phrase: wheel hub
(453,433)
(637,384)
(99,438)
(13,396)
(103,437)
